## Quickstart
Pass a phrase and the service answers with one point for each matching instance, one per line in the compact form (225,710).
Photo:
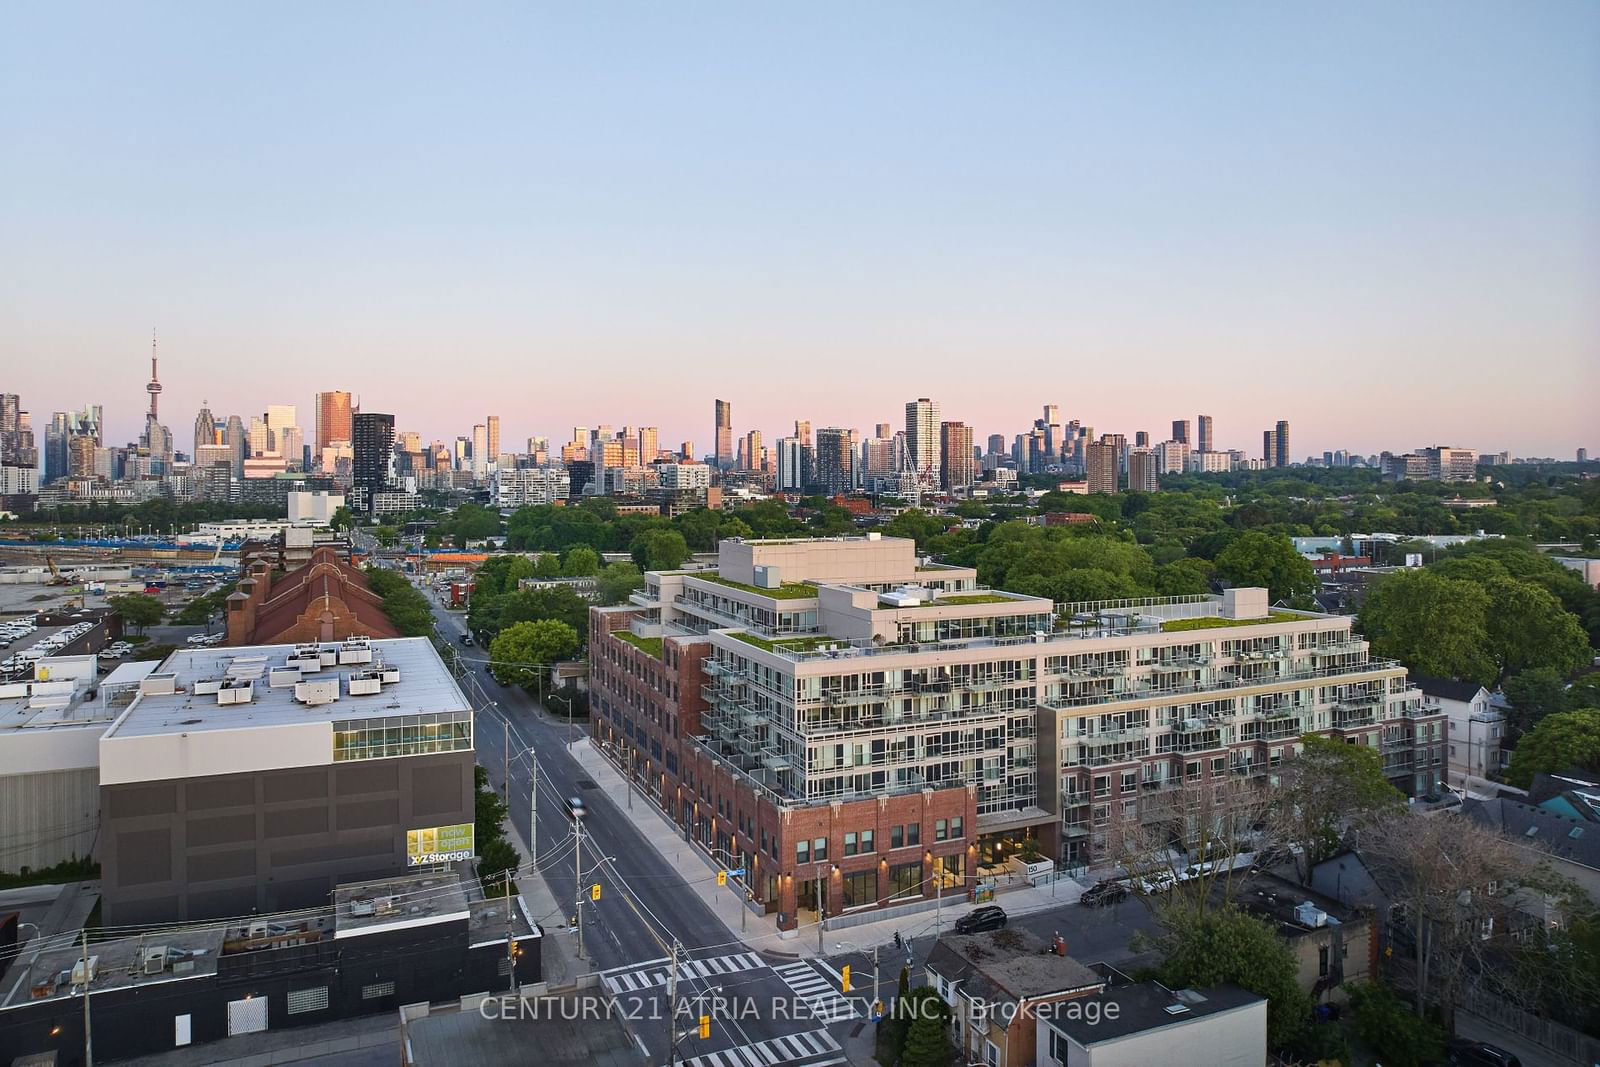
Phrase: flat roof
(26,704)
(1146,1006)
(425,686)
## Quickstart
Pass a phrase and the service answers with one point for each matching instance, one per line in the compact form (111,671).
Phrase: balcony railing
(1147,693)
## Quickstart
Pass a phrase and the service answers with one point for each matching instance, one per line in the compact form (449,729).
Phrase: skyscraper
(493,424)
(956,461)
(835,460)
(724,434)
(922,440)
(648,444)
(789,474)
(333,419)
(1269,448)
(1282,457)
(1180,430)
(238,442)
(1203,442)
(480,451)
(373,440)
(1101,464)
(205,429)
(997,444)
(753,451)
(1142,473)
(156,439)
(1141,438)
(802,432)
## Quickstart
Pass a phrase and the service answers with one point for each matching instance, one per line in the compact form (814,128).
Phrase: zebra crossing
(813,1048)
(820,995)
(637,976)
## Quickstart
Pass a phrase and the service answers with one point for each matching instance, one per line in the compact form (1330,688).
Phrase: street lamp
(851,946)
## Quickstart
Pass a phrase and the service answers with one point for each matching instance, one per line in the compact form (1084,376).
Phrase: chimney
(241,615)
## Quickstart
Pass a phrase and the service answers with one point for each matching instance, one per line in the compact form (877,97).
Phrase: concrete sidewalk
(760,932)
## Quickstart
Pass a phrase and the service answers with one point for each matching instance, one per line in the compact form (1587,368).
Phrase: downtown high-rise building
(1100,464)
(789,473)
(802,432)
(648,443)
(922,440)
(1180,431)
(835,471)
(492,426)
(373,441)
(480,451)
(333,419)
(1143,471)
(723,440)
(1141,439)
(1269,448)
(205,430)
(956,462)
(1203,435)
(237,439)
(1281,457)
(752,454)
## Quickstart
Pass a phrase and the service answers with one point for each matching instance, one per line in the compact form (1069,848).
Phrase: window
(819,849)
(955,828)
(941,830)
(304,1000)
(377,990)
(860,888)
(913,833)
(1322,962)
(866,841)
(850,844)
(802,851)
(905,880)
(897,836)
(1130,781)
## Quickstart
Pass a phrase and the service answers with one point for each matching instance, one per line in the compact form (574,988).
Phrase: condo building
(857,728)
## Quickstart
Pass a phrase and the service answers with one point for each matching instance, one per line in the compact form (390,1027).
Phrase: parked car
(1104,893)
(991,917)
(466,640)
(1462,1053)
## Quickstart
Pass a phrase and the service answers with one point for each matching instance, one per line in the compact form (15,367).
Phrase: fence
(1569,1045)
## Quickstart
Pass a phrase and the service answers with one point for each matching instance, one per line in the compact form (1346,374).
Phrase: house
(1141,1023)
(997,985)
(1575,793)
(1570,844)
(1333,943)
(1476,730)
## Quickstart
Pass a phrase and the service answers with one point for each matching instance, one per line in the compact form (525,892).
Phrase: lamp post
(851,946)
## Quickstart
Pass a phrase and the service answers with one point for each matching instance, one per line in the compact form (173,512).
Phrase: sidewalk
(559,965)
(761,933)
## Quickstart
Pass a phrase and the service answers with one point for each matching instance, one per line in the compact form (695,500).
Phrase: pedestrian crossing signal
(594,891)
(722,878)
(705,1026)
(844,976)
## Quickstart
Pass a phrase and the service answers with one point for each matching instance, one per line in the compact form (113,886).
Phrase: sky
(1379,221)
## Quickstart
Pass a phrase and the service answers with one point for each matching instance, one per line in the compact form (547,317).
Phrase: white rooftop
(256,686)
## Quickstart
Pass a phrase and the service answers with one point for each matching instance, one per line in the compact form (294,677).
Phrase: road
(767,1005)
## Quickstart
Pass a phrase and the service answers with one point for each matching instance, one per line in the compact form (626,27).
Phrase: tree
(1386,1027)
(917,525)
(660,550)
(927,1042)
(1260,559)
(386,536)
(1184,577)
(1203,948)
(524,652)
(1533,694)
(617,581)
(521,567)
(1325,790)
(406,608)
(1432,624)
(1528,627)
(547,565)
(531,605)
(341,518)
(137,609)
(496,855)
(581,562)
(1565,741)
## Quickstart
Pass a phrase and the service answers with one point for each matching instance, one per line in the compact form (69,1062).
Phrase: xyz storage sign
(439,844)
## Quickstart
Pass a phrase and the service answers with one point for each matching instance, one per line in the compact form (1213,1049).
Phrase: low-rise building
(1475,727)
(255,779)
(1333,945)
(1145,1023)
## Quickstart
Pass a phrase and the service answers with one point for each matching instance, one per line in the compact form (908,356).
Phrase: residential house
(1476,728)
(1333,944)
(1570,844)
(1145,1023)
(997,986)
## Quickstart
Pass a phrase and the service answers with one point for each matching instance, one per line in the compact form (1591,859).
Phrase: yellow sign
(439,844)
(705,1026)
(844,976)
(722,878)
(594,891)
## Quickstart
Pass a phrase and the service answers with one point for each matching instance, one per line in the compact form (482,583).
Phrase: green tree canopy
(618,580)
(918,525)
(1269,561)
(406,608)
(1217,945)
(1432,624)
(581,561)
(1565,741)
(660,550)
(1327,788)
(523,651)
(531,605)
(138,609)
(521,567)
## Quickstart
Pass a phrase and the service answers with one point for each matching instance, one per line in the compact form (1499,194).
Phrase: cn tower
(154,388)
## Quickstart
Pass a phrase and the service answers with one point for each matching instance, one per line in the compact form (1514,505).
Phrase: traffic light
(722,878)
(844,976)
(705,1026)
(594,891)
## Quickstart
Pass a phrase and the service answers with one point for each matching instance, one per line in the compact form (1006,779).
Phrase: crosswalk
(639,976)
(821,995)
(813,1048)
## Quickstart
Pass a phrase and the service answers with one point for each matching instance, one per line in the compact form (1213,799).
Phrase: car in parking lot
(991,917)
(1103,893)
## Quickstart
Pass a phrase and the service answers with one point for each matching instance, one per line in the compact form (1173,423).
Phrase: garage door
(248,1016)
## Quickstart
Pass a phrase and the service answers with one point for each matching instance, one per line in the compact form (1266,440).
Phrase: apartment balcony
(1338,648)
(1354,716)
(1419,710)
(1216,684)
(1074,829)
(1196,742)
(644,600)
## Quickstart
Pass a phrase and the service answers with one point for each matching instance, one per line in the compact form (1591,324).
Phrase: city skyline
(1409,214)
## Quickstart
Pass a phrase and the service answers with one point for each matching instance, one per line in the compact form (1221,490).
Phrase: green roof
(651,645)
(786,591)
(786,644)
(1214,621)
(973,598)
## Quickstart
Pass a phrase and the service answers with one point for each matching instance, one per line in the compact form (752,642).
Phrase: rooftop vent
(236,692)
(155,685)
(283,677)
(314,694)
(1308,914)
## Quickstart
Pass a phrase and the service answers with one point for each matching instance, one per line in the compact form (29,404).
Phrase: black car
(1479,1054)
(1104,893)
(992,917)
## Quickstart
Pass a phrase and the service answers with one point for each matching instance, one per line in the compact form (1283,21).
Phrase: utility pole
(577,874)
(533,811)
(88,1044)
(672,1008)
(821,914)
(505,782)
(874,979)
(511,953)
